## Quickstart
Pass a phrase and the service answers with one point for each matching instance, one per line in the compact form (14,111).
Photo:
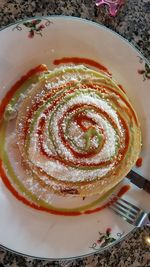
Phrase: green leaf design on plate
(32,23)
(104,240)
(107,242)
(147,71)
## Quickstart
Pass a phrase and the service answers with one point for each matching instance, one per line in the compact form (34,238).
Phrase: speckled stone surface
(132,22)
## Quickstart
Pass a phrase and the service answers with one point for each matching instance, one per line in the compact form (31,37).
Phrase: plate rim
(129,44)
(99,251)
(88,21)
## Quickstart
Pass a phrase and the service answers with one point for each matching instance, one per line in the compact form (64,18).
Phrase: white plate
(44,235)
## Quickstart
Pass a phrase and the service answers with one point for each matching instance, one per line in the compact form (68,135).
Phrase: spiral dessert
(76,133)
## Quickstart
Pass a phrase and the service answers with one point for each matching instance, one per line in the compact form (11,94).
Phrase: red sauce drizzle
(139,162)
(38,103)
(93,63)
(121,192)
(25,201)
(20,82)
(79,60)
(5,101)
(121,87)
(40,134)
(123,99)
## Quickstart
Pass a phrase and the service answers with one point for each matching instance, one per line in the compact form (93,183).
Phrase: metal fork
(129,212)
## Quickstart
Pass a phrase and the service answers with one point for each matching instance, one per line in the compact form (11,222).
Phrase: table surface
(132,22)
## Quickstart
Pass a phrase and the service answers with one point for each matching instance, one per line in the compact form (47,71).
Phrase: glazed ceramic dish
(72,112)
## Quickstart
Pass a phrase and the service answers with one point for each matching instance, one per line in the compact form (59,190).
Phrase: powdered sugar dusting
(75,132)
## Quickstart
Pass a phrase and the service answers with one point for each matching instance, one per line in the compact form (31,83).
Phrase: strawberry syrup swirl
(78,126)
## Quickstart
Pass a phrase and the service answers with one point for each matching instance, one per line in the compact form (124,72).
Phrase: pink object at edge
(114,5)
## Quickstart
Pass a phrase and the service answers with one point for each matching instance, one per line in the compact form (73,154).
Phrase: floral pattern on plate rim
(145,71)
(105,239)
(35,26)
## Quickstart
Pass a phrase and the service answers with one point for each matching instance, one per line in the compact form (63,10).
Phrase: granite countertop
(132,22)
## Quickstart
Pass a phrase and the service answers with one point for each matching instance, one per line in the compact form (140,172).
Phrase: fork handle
(146,220)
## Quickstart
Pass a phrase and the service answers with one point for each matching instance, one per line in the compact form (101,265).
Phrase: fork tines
(127,210)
